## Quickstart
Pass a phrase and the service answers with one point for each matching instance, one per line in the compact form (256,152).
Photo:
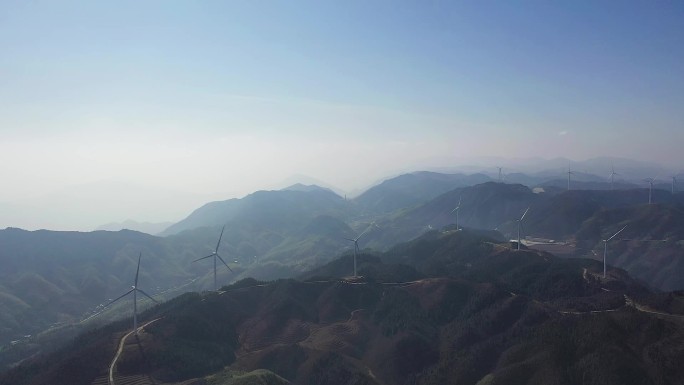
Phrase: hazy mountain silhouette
(541,169)
(269,209)
(143,227)
(307,188)
(483,206)
(411,189)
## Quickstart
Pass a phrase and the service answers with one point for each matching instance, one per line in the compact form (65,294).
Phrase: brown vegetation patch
(257,333)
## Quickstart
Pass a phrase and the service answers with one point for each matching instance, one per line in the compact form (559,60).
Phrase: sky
(146,110)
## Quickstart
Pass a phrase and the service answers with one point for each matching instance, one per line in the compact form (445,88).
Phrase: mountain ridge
(548,320)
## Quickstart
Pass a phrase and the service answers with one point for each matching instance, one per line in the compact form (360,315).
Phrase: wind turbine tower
(569,173)
(674,182)
(605,249)
(456,210)
(215,254)
(500,170)
(356,244)
(520,225)
(134,290)
(650,188)
(612,176)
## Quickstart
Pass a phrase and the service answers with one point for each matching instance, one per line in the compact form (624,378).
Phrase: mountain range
(143,227)
(453,307)
(54,279)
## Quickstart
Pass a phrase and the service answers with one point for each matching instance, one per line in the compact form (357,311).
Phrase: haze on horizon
(127,110)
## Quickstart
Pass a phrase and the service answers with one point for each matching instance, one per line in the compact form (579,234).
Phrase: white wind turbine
(612,176)
(356,244)
(134,290)
(456,210)
(650,188)
(215,254)
(674,182)
(500,170)
(520,225)
(569,173)
(605,249)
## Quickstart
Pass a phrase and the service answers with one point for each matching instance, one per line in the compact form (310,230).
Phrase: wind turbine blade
(349,239)
(615,235)
(219,241)
(146,295)
(92,316)
(208,256)
(137,270)
(525,213)
(224,262)
(118,298)
(365,231)
(459,204)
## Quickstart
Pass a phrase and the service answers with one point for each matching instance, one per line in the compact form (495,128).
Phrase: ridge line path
(630,302)
(120,349)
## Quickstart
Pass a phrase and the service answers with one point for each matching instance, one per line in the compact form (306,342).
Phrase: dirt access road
(120,349)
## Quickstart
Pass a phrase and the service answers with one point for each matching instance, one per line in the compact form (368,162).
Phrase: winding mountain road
(120,349)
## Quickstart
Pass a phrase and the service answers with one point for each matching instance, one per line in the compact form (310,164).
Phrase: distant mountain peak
(306,188)
(143,227)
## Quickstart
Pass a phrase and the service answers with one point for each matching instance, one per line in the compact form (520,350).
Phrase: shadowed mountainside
(473,312)
(55,277)
(267,209)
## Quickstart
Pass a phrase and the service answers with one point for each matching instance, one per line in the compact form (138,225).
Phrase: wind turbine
(456,210)
(134,290)
(650,188)
(612,176)
(569,173)
(500,169)
(215,254)
(520,225)
(605,249)
(356,243)
(674,182)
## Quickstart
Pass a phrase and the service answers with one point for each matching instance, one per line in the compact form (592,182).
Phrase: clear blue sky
(226,97)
